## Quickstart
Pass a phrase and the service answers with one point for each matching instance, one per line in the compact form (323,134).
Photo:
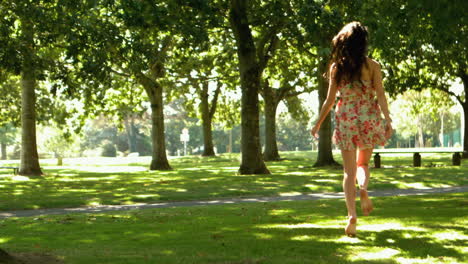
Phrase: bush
(109,150)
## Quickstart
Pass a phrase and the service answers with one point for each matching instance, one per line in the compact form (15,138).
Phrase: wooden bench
(15,169)
(456,157)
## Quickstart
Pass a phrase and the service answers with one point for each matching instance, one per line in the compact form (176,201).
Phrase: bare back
(369,69)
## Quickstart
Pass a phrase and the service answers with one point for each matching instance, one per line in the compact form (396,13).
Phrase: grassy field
(98,181)
(415,229)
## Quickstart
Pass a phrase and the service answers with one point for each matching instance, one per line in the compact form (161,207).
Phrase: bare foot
(366,204)
(350,229)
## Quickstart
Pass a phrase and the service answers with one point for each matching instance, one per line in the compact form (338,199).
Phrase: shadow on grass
(415,244)
(282,232)
(198,178)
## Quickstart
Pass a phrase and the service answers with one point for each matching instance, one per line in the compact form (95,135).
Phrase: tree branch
(264,86)
(285,88)
(157,66)
(446,90)
(293,94)
(120,73)
(146,82)
(271,39)
(214,101)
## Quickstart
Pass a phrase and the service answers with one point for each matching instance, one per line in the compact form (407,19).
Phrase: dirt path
(312,196)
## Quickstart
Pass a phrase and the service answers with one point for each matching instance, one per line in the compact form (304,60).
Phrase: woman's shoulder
(373,64)
(333,68)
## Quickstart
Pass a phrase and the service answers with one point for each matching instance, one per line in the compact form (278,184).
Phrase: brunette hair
(349,48)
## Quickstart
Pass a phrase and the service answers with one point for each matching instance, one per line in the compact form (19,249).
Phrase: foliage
(422,45)
(7,134)
(100,130)
(17,17)
(423,112)
(57,142)
(291,134)
(126,99)
(127,39)
(46,59)
(90,55)
(10,112)
(215,66)
(108,149)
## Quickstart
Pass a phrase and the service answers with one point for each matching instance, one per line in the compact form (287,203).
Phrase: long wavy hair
(349,49)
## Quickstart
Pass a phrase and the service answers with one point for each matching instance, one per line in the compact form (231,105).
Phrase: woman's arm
(328,104)
(377,82)
(382,99)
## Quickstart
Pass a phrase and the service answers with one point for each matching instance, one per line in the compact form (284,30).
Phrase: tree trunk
(271,104)
(59,159)
(465,132)
(325,153)
(250,72)
(420,133)
(131,134)
(230,141)
(29,157)
(4,151)
(155,94)
(208,149)
(464,78)
(441,135)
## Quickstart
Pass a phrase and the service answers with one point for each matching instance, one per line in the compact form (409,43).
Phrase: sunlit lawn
(98,181)
(413,229)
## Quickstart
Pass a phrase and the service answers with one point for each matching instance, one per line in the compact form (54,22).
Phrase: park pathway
(312,196)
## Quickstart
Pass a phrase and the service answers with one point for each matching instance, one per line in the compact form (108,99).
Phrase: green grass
(127,180)
(414,229)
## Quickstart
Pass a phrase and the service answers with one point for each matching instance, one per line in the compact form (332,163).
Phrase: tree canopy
(222,61)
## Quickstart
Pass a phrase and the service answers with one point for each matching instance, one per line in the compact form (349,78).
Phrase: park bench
(456,157)
(15,169)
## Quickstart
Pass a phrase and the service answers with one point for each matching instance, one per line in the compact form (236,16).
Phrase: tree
(208,73)
(282,77)
(137,40)
(286,70)
(207,112)
(444,52)
(424,115)
(59,143)
(320,22)
(291,133)
(250,68)
(125,107)
(32,51)
(424,45)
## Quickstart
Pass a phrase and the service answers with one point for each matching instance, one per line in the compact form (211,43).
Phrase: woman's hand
(314,131)
(388,129)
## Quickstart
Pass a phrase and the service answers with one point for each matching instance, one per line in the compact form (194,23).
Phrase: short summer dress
(359,123)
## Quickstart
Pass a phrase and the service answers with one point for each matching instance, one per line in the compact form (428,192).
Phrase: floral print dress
(359,123)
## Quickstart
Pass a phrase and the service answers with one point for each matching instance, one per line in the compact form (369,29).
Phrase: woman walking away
(357,80)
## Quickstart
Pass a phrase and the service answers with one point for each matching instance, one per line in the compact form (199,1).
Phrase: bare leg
(349,188)
(363,176)
(363,173)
